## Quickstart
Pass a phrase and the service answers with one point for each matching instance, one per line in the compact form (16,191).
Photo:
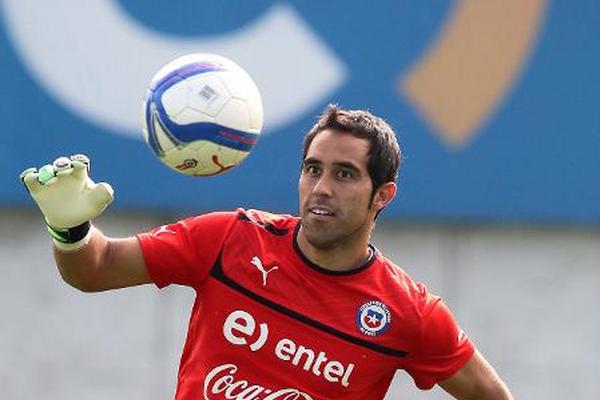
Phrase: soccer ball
(202,114)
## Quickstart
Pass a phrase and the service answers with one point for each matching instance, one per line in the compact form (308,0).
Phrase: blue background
(536,159)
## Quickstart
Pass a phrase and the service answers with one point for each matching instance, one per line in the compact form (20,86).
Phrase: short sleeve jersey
(267,324)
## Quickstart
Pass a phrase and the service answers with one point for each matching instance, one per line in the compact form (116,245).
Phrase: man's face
(335,190)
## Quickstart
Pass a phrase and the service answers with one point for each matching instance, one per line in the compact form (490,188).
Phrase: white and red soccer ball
(202,114)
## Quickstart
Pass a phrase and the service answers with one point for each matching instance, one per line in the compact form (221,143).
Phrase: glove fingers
(46,173)
(64,172)
(26,172)
(81,166)
(83,159)
(102,194)
(51,181)
(78,165)
(62,167)
(30,180)
(61,163)
(80,170)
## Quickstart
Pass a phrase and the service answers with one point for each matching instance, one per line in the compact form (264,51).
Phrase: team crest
(373,318)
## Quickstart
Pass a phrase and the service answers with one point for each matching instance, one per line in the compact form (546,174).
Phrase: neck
(342,257)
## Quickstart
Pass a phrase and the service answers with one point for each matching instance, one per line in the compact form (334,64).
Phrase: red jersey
(267,324)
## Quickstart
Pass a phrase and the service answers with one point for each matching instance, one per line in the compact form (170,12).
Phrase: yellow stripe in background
(472,65)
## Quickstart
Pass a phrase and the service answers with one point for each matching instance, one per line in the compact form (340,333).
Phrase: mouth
(321,211)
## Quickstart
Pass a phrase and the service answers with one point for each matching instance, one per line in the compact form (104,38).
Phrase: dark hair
(384,153)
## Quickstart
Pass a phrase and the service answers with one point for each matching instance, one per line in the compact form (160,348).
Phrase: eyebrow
(344,164)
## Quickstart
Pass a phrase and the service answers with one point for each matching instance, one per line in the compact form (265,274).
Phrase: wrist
(70,239)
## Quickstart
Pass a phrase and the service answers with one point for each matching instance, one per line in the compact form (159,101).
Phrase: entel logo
(240,326)
(242,323)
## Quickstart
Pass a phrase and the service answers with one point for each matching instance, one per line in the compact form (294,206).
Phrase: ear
(384,195)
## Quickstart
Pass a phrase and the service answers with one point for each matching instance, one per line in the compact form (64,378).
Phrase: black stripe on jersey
(266,226)
(217,273)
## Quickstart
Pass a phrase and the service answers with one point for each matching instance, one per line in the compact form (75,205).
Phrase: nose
(323,186)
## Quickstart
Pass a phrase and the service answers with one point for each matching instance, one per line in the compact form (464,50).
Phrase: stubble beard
(318,239)
(323,238)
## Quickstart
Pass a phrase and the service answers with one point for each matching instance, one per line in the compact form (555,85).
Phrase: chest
(263,323)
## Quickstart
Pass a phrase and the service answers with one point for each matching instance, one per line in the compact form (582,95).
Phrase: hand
(65,194)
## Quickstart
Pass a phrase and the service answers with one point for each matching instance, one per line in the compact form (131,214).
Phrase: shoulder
(400,288)
(225,226)
(428,325)
(278,224)
(257,217)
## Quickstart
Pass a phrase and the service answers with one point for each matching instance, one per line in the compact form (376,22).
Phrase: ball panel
(189,132)
(149,127)
(165,141)
(235,114)
(236,82)
(178,65)
(226,157)
(207,94)
(144,124)
(203,158)
(190,116)
(242,87)
(255,111)
(217,159)
(175,99)
(183,159)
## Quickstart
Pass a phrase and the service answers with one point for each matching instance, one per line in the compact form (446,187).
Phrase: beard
(319,238)
(331,234)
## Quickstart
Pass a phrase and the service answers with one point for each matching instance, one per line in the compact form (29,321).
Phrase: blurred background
(496,108)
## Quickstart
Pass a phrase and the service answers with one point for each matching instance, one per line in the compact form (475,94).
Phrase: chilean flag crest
(373,318)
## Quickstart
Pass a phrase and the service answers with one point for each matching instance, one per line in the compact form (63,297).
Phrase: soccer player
(286,307)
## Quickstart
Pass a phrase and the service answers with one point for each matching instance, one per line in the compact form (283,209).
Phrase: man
(286,307)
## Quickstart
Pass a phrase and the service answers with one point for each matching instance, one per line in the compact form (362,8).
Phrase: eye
(344,174)
(312,170)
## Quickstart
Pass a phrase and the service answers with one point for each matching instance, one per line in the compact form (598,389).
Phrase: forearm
(81,268)
(500,392)
(103,264)
(496,390)
(491,386)
(477,380)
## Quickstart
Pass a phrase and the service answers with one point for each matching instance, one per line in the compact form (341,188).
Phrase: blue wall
(535,156)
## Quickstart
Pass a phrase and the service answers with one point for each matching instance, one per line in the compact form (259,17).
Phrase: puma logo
(258,264)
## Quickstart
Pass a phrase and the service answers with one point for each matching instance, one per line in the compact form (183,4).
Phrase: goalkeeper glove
(68,198)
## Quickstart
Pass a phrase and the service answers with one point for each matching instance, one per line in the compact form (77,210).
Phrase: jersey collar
(366,264)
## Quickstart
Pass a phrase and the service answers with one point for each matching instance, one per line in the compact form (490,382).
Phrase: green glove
(68,198)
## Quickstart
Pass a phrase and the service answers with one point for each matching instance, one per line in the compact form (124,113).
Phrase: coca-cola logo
(222,382)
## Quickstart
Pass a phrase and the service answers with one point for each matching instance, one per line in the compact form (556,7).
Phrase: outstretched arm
(69,200)
(477,380)
(103,263)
